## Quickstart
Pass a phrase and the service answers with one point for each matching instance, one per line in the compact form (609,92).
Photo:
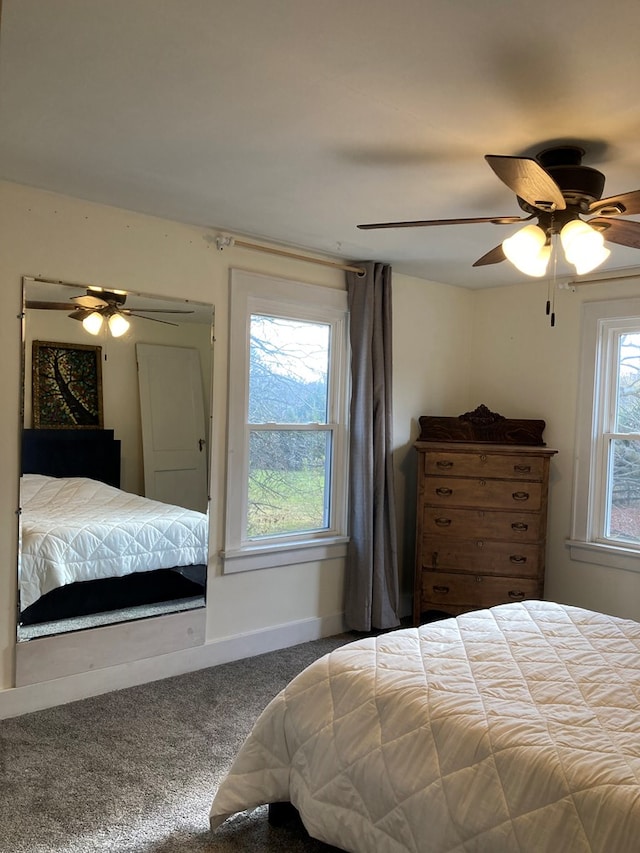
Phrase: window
(287,431)
(606,510)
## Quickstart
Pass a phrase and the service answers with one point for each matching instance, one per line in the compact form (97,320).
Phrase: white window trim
(589,485)
(255,293)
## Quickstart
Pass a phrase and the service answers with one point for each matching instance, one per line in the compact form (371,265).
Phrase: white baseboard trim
(36,697)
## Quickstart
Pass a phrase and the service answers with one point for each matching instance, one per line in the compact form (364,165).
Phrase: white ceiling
(294,120)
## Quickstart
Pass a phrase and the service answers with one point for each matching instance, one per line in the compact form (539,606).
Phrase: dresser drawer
(480,493)
(490,524)
(481,555)
(480,464)
(440,589)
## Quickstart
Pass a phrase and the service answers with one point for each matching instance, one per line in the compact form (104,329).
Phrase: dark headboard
(93,453)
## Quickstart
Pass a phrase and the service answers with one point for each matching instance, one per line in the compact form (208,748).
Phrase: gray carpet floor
(135,771)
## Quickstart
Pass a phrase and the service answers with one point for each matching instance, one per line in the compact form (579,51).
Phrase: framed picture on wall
(67,386)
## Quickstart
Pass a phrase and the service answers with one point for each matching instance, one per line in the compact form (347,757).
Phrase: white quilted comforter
(75,529)
(510,729)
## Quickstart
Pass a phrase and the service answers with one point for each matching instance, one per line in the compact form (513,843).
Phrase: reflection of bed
(510,729)
(88,547)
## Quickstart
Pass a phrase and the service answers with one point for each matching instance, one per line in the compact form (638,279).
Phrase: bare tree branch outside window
(289,454)
(624,509)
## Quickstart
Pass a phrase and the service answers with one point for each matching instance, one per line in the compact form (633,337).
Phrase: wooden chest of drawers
(481,524)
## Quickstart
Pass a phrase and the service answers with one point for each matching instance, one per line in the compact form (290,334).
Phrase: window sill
(617,557)
(271,556)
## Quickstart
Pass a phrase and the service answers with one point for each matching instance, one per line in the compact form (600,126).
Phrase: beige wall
(431,356)
(521,367)
(453,349)
(48,235)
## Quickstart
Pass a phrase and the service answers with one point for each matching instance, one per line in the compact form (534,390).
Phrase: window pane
(624,491)
(288,481)
(288,371)
(628,393)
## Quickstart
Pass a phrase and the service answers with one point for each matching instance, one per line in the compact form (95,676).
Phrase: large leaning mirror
(115,457)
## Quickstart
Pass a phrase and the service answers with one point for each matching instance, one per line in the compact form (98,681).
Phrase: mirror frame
(179,629)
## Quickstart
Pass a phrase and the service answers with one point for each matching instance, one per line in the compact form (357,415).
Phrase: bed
(86,546)
(515,728)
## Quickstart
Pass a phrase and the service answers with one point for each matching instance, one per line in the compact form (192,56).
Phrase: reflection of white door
(174,446)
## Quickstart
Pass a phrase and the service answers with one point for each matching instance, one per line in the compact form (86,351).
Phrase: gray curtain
(371,585)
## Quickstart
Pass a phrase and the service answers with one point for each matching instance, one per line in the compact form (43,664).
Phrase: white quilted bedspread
(510,729)
(75,529)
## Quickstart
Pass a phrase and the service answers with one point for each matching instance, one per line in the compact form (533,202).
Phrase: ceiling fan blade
(87,301)
(155,311)
(625,204)
(80,313)
(48,306)
(625,232)
(419,223)
(495,256)
(529,180)
(155,320)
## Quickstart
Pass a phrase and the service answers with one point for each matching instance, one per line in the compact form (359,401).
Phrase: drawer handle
(516,593)
(520,496)
(444,492)
(444,463)
(442,589)
(522,469)
(443,522)
(519,526)
(518,559)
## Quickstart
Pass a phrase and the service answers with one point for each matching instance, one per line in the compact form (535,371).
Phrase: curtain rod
(228,242)
(601,280)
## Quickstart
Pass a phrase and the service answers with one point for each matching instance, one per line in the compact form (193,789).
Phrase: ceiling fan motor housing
(580,185)
(113,298)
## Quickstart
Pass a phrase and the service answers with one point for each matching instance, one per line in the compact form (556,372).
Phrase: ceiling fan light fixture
(527,251)
(540,263)
(590,261)
(118,325)
(93,323)
(583,246)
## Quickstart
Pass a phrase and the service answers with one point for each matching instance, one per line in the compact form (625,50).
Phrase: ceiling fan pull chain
(554,280)
(550,279)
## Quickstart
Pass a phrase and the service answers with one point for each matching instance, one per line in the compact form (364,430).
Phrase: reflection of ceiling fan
(99,305)
(558,190)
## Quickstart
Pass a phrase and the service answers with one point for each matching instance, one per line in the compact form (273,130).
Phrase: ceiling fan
(99,305)
(557,190)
